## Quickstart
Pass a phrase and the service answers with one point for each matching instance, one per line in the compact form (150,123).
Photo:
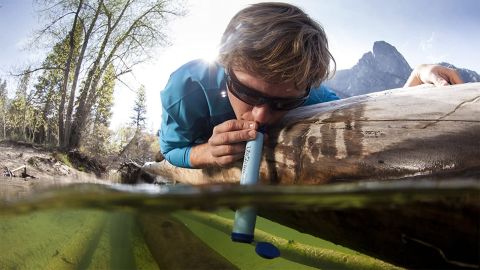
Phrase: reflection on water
(93,226)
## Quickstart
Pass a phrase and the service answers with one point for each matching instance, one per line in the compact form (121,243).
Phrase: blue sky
(424,31)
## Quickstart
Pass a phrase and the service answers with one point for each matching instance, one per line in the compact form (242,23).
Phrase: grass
(63,158)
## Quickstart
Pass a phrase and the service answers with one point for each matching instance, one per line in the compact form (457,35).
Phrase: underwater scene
(114,226)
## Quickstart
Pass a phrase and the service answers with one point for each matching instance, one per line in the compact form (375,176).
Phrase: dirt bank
(44,168)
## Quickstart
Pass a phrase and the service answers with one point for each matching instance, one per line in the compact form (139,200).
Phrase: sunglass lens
(287,105)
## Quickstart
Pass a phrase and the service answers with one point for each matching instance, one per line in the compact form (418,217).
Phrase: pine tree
(138,118)
(47,95)
(103,109)
(140,110)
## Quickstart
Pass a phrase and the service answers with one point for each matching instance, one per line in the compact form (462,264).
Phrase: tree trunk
(88,96)
(61,128)
(83,113)
(4,124)
(68,118)
(83,108)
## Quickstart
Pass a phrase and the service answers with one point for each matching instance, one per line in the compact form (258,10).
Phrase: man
(272,59)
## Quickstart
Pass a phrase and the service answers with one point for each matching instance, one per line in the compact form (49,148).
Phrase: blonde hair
(278,42)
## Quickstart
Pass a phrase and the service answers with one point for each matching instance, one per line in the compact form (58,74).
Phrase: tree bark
(380,136)
(68,118)
(89,95)
(61,127)
(82,111)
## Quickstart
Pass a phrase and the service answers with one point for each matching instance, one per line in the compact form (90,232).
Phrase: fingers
(229,150)
(227,143)
(232,125)
(443,76)
(225,146)
(226,160)
(437,75)
(226,154)
(454,77)
(439,81)
(233,131)
(232,137)
(434,74)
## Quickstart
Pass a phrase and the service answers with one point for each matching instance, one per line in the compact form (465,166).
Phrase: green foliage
(63,158)
(17,111)
(109,38)
(97,144)
(140,109)
(136,145)
(125,36)
(103,109)
(33,115)
(122,136)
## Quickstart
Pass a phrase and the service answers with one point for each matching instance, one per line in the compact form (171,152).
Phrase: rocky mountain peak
(388,59)
(380,69)
(385,58)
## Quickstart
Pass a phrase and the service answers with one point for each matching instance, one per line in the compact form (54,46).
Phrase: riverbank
(42,168)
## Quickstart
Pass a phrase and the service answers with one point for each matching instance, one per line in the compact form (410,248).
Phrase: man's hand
(433,74)
(225,146)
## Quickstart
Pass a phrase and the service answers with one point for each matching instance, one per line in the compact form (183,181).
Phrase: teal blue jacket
(194,101)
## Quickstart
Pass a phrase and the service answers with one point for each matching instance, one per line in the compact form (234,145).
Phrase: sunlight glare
(209,54)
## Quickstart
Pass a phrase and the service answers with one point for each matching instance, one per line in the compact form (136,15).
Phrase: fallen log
(390,135)
(386,135)
(11,173)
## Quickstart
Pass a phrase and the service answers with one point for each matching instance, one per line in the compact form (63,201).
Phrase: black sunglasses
(255,98)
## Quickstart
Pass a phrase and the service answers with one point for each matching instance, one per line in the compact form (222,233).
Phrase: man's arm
(434,74)
(184,113)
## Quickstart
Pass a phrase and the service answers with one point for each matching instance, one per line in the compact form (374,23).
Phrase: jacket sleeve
(319,95)
(183,117)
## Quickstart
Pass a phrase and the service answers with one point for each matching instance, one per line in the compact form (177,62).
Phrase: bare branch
(123,72)
(35,70)
(50,7)
(128,87)
(49,26)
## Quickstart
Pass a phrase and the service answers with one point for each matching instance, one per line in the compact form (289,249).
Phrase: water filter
(245,218)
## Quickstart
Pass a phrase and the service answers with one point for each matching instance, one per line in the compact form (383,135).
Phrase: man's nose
(261,113)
